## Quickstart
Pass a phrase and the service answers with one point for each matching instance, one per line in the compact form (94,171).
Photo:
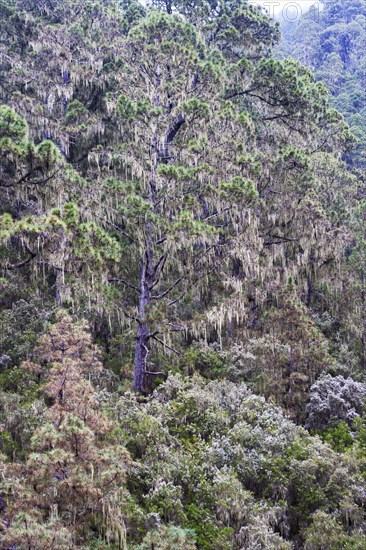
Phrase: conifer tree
(163,176)
(73,481)
(207,175)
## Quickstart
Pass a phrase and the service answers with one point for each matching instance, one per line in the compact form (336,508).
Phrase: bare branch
(159,262)
(126,283)
(239,93)
(23,179)
(176,329)
(279,240)
(13,267)
(174,129)
(153,334)
(166,345)
(169,290)
(136,319)
(158,270)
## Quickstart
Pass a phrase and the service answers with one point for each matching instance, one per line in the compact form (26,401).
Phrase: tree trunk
(143,335)
(363,313)
(141,354)
(147,269)
(309,293)
(145,286)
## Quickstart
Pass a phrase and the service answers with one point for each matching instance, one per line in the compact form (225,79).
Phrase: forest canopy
(182,275)
(331,42)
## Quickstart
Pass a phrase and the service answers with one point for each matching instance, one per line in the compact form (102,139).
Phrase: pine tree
(73,481)
(196,182)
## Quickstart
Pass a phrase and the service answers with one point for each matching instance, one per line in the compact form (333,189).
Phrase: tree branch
(126,283)
(280,240)
(13,267)
(166,292)
(161,260)
(238,93)
(172,303)
(117,228)
(174,129)
(166,345)
(158,270)
(23,179)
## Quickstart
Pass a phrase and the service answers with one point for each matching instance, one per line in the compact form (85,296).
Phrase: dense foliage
(183,282)
(331,42)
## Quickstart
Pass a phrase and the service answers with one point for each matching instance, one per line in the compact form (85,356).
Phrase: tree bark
(146,276)
(363,310)
(141,353)
(143,334)
(151,271)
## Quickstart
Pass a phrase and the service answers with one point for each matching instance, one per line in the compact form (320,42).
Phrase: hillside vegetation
(183,280)
(331,41)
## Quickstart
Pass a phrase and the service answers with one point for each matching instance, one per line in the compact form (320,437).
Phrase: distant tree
(332,45)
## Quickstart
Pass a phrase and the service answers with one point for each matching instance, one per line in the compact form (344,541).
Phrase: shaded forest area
(331,41)
(182,276)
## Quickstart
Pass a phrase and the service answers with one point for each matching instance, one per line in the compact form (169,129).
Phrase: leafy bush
(333,399)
